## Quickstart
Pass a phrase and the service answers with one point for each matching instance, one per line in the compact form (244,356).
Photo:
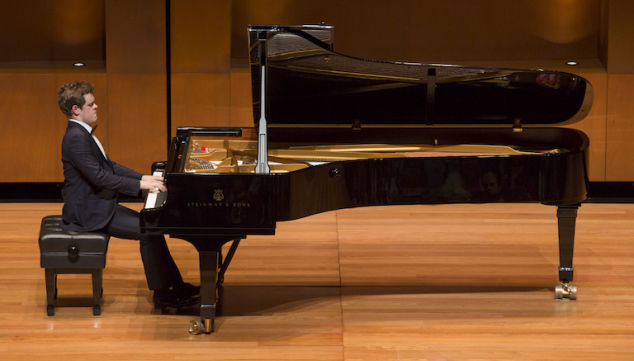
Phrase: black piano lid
(308,84)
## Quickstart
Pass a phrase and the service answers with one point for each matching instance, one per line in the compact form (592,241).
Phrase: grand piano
(333,131)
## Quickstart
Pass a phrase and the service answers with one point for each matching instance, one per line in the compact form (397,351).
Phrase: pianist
(92,182)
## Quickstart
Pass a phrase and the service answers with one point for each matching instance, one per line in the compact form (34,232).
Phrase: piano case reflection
(333,131)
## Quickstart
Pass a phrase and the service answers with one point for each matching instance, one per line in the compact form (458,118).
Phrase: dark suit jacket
(91,182)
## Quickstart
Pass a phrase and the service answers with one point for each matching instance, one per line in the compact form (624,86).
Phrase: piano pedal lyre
(565,291)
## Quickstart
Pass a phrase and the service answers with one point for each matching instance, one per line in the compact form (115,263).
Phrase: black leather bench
(71,252)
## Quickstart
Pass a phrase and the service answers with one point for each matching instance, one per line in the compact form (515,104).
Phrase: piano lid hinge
(356,125)
(517,125)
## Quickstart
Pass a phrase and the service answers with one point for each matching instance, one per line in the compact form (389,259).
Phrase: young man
(92,183)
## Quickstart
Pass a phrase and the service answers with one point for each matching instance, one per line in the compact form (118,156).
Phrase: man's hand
(153,183)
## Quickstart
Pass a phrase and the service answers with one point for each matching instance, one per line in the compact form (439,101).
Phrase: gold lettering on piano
(236,204)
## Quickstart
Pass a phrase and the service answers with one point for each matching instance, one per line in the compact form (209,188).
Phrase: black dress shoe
(167,298)
(186,290)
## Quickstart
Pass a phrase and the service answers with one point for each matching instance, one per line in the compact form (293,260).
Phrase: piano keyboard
(154,199)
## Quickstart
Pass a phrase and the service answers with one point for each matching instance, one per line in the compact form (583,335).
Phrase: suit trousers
(160,269)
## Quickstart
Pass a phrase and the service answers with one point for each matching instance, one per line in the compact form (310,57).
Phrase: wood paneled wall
(201,63)
(211,80)
(137,90)
(620,110)
(47,30)
(620,127)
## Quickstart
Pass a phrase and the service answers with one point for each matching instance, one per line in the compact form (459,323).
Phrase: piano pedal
(565,291)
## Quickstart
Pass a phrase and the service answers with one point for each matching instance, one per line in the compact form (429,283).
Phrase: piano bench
(71,252)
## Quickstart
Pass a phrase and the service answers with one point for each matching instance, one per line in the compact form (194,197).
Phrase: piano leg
(208,288)
(566,219)
(212,270)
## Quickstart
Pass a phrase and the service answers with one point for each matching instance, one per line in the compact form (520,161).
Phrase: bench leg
(51,290)
(97,291)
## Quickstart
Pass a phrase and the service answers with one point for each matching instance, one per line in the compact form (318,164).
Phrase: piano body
(333,131)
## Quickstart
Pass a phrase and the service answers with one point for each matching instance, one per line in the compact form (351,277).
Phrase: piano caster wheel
(198,326)
(96,310)
(565,291)
(50,310)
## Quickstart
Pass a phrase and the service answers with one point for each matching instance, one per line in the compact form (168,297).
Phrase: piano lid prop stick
(262,165)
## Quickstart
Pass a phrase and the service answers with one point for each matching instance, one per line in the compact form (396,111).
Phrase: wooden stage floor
(447,282)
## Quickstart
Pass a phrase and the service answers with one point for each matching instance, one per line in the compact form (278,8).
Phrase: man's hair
(73,94)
